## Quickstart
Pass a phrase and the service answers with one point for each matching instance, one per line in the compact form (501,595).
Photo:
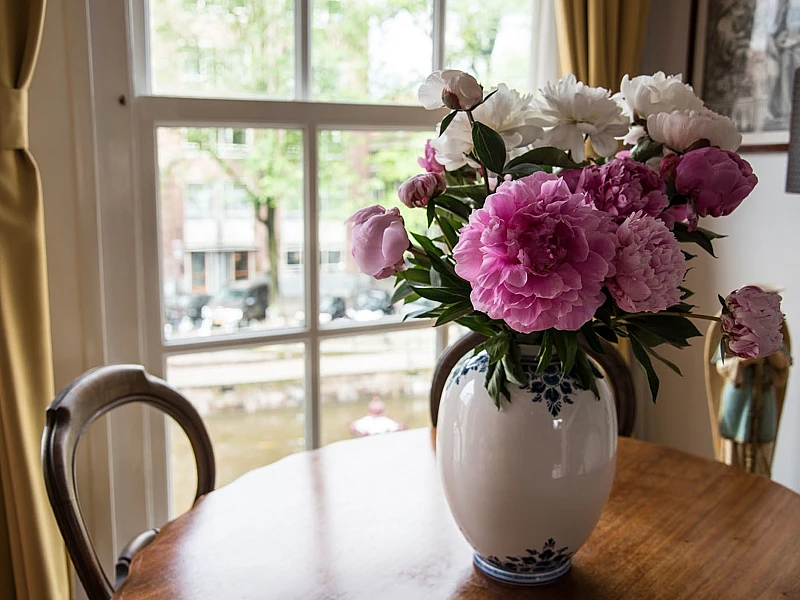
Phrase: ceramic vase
(526,483)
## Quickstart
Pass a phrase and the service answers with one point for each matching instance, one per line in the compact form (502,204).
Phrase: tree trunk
(274,257)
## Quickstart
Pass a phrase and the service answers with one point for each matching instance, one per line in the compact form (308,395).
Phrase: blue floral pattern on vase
(551,386)
(477,363)
(537,561)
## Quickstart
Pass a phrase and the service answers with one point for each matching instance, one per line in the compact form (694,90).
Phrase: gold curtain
(601,40)
(32,559)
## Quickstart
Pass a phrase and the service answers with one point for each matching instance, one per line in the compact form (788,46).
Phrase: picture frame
(743,57)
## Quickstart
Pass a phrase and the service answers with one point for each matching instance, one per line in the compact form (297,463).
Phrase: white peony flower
(454,89)
(508,113)
(646,95)
(633,135)
(572,109)
(678,130)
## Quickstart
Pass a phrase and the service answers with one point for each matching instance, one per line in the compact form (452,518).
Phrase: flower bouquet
(532,240)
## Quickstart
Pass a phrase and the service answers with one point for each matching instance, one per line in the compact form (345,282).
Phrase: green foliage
(489,147)
(701,237)
(645,149)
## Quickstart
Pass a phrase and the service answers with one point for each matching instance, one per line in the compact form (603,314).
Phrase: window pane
(251,402)
(376,383)
(223,48)
(358,169)
(369,50)
(492,39)
(231,219)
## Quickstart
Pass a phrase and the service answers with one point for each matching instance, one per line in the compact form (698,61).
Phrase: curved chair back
(610,361)
(88,397)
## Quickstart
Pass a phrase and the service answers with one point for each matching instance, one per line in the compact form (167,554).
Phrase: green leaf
(549,156)
(645,149)
(587,374)
(669,327)
(427,245)
(686,293)
(523,170)
(454,205)
(417,314)
(591,338)
(644,361)
(545,351)
(430,211)
(417,275)
(571,341)
(456,311)
(723,303)
(688,255)
(496,346)
(438,294)
(672,366)
(489,146)
(401,291)
(474,191)
(446,121)
(448,231)
(701,237)
(496,384)
(513,365)
(605,332)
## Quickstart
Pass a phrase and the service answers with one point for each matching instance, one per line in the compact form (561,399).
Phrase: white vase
(526,484)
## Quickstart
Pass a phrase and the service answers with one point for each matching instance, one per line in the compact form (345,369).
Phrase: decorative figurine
(745,400)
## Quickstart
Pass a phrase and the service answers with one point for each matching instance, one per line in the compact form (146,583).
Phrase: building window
(294,257)
(241,269)
(198,272)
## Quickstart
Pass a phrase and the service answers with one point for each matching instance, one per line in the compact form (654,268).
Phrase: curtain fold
(601,40)
(32,559)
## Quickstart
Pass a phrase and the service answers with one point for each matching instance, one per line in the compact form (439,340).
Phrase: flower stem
(483,166)
(670,314)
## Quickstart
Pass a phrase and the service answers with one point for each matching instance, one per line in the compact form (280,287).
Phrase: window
(250,155)
(241,269)
(198,272)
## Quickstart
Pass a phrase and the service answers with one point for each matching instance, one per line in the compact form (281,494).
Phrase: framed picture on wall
(745,55)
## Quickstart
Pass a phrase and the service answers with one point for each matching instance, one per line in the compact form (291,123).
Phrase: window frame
(154,111)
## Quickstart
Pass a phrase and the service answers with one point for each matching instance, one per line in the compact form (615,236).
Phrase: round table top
(367,519)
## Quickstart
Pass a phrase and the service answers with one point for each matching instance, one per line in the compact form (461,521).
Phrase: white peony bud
(454,89)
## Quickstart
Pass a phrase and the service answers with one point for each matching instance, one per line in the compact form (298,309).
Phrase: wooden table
(367,519)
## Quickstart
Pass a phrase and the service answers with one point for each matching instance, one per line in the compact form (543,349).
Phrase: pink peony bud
(379,240)
(751,327)
(417,190)
(667,167)
(716,181)
(429,162)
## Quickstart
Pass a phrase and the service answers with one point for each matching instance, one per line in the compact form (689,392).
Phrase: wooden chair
(88,397)
(611,363)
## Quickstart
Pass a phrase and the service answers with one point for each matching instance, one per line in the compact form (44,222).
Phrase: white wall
(763,247)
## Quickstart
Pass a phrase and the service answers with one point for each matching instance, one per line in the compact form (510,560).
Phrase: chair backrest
(88,397)
(610,361)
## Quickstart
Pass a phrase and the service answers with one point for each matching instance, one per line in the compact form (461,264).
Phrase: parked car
(331,307)
(240,304)
(186,307)
(370,305)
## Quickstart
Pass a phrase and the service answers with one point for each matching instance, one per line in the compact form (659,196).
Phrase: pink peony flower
(716,181)
(752,326)
(429,162)
(379,240)
(571,177)
(622,187)
(683,213)
(417,190)
(536,255)
(649,266)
